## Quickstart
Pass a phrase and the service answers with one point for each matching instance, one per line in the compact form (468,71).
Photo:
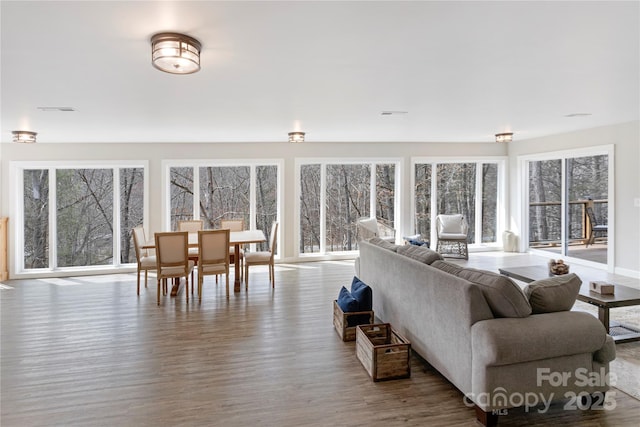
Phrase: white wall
(626,140)
(156,153)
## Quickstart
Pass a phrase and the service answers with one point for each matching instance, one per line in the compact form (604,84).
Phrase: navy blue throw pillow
(346,301)
(362,293)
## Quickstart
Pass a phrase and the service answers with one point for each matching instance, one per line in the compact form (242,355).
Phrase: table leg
(603,315)
(236,268)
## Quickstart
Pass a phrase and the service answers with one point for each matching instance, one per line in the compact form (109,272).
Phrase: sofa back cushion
(419,253)
(447,267)
(505,298)
(384,244)
(557,293)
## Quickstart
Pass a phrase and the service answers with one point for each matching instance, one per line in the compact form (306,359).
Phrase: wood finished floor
(87,351)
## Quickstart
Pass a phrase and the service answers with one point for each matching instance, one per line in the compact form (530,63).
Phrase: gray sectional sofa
(476,328)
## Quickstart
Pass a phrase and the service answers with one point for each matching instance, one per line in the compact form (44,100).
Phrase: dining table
(236,238)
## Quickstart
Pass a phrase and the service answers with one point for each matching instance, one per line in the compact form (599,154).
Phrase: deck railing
(545,221)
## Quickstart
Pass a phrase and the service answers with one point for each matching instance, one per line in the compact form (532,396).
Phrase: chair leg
(158,290)
(146,274)
(246,276)
(139,282)
(272,275)
(227,284)
(186,290)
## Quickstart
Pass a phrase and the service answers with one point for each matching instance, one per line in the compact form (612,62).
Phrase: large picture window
(334,195)
(233,190)
(471,188)
(73,217)
(568,194)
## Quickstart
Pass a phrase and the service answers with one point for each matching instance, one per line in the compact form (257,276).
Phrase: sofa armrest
(504,341)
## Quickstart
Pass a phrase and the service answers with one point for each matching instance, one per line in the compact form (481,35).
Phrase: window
(471,188)
(74,217)
(230,190)
(561,187)
(333,195)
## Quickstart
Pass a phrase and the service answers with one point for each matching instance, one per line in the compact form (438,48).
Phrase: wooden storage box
(384,353)
(341,321)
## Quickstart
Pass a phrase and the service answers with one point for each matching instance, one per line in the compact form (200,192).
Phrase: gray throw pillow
(504,297)
(556,293)
(447,267)
(419,253)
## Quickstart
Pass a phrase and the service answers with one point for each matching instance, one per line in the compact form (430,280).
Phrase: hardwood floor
(87,351)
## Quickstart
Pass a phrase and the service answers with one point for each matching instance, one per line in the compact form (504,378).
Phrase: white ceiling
(463,70)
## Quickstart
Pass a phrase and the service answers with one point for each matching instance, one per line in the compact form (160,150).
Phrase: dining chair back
(213,246)
(191,225)
(172,256)
(145,261)
(234,225)
(263,258)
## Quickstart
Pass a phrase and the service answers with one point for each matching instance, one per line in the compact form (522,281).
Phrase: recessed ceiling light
(56,109)
(577,115)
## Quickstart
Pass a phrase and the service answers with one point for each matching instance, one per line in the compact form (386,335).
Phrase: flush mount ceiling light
(296,136)
(175,53)
(504,137)
(24,136)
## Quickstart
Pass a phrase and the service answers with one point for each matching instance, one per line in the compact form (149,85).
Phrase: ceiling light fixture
(24,136)
(504,137)
(175,53)
(296,136)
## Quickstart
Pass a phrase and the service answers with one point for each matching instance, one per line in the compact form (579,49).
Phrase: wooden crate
(384,353)
(341,321)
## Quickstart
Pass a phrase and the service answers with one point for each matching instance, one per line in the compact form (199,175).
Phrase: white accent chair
(453,234)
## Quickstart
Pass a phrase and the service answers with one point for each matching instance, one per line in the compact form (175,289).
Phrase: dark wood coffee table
(623,297)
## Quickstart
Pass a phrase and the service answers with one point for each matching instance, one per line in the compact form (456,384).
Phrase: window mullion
(53,232)
(478,203)
(116,217)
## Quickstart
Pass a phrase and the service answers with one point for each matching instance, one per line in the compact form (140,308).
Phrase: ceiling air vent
(394,113)
(56,109)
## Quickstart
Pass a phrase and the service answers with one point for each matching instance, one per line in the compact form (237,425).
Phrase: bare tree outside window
(131,210)
(310,192)
(385,193)
(348,195)
(36,218)
(422,191)
(266,201)
(456,186)
(181,194)
(84,217)
(489,202)
(224,194)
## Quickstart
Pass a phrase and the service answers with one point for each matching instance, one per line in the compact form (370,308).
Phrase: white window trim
(501,198)
(522,200)
(16,194)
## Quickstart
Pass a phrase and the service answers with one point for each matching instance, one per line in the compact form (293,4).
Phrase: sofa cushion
(504,297)
(556,293)
(362,293)
(419,253)
(384,244)
(447,267)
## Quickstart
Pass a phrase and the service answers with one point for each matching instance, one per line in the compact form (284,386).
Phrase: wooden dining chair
(172,256)
(213,246)
(263,258)
(191,226)
(234,225)
(146,262)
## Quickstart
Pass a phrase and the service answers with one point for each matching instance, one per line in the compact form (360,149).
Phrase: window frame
(522,201)
(323,162)
(166,166)
(16,186)
(501,197)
